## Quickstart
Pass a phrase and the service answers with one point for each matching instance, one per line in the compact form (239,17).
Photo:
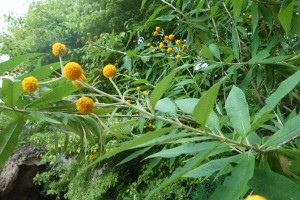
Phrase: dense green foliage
(211,114)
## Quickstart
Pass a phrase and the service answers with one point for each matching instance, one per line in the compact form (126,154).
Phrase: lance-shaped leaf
(290,130)
(285,14)
(234,185)
(206,104)
(160,88)
(285,87)
(237,109)
(11,92)
(9,138)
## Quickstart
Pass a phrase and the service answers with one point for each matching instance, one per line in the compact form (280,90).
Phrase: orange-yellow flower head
(109,71)
(170,50)
(184,47)
(161,45)
(82,78)
(171,37)
(30,84)
(178,57)
(157,28)
(85,105)
(255,197)
(178,42)
(72,71)
(155,33)
(59,49)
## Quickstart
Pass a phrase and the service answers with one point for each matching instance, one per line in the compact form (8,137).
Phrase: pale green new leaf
(9,138)
(43,117)
(215,51)
(187,105)
(160,88)
(238,111)
(233,186)
(166,105)
(274,186)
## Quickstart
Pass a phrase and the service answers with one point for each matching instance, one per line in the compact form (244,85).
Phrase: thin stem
(116,87)
(61,66)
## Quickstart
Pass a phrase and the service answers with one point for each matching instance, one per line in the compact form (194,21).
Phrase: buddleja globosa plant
(193,82)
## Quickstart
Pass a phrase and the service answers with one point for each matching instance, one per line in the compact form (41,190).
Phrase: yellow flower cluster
(255,197)
(30,84)
(85,105)
(82,78)
(72,71)
(109,71)
(59,49)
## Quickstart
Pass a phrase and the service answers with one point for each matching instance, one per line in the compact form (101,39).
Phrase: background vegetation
(220,121)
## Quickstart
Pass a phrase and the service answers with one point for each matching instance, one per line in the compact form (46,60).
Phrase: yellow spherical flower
(170,50)
(171,37)
(153,51)
(149,44)
(184,47)
(5,73)
(145,92)
(178,42)
(59,49)
(178,57)
(138,88)
(155,33)
(30,84)
(96,37)
(82,78)
(161,45)
(85,105)
(11,74)
(128,101)
(250,17)
(255,197)
(88,34)
(109,71)
(157,28)
(72,71)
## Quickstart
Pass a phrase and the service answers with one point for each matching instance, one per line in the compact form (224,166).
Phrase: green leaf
(187,105)
(92,125)
(133,155)
(9,138)
(266,14)
(166,105)
(235,184)
(131,53)
(160,88)
(41,116)
(54,95)
(274,59)
(237,8)
(285,14)
(215,51)
(235,43)
(211,167)
(11,91)
(285,87)
(245,83)
(206,53)
(259,57)
(254,13)
(190,164)
(127,63)
(206,104)
(284,69)
(238,111)
(289,130)
(199,6)
(274,186)
(166,18)
(190,148)
(14,62)
(133,143)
